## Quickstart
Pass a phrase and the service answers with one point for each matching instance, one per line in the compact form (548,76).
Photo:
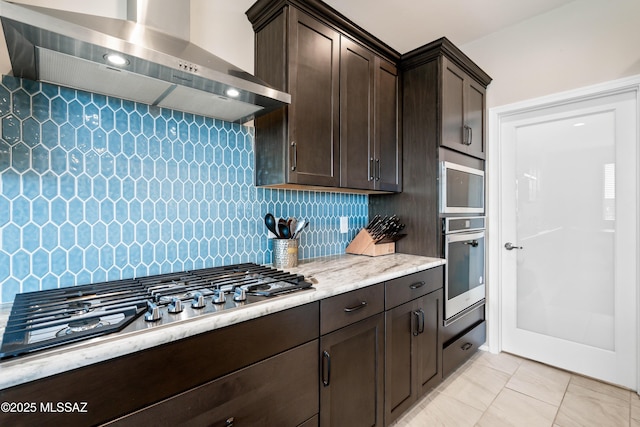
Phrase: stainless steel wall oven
(464,250)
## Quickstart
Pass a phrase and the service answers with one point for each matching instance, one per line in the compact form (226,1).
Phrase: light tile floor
(495,390)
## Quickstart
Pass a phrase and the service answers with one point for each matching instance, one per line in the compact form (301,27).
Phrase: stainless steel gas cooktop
(45,319)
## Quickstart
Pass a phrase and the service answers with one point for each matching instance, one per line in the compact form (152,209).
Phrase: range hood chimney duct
(156,64)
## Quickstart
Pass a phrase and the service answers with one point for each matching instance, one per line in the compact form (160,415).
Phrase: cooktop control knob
(218,296)
(153,312)
(198,300)
(175,306)
(239,294)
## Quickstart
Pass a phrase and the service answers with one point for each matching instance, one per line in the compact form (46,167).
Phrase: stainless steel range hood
(71,49)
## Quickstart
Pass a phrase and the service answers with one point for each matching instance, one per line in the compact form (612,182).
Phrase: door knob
(509,246)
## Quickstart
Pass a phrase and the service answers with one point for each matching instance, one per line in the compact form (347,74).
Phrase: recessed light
(233,93)
(116,59)
(578,124)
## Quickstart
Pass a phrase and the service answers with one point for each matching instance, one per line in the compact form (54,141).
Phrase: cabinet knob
(229,422)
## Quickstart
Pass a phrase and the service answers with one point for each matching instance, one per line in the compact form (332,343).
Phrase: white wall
(583,43)
(221,27)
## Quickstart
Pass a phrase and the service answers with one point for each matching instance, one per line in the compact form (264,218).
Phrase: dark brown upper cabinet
(341,130)
(370,153)
(457,88)
(442,91)
(463,111)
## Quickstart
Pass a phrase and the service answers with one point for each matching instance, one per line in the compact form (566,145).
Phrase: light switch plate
(344,224)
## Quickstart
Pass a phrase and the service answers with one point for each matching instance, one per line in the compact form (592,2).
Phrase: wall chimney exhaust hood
(151,66)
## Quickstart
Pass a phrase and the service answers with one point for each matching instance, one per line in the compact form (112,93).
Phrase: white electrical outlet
(344,224)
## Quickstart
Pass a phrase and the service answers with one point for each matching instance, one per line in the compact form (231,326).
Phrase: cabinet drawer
(406,288)
(461,349)
(464,323)
(345,309)
(282,391)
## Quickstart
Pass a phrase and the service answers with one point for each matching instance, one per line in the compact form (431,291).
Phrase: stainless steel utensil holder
(285,253)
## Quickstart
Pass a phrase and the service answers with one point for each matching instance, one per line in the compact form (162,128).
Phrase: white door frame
(494,238)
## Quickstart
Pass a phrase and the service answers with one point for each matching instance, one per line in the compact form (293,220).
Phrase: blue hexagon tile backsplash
(95,188)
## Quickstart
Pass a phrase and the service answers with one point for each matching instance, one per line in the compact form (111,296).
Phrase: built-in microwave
(461,189)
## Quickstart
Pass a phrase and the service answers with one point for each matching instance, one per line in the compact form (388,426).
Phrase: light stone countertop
(330,276)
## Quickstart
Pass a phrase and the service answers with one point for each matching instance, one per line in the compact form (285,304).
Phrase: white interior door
(568,178)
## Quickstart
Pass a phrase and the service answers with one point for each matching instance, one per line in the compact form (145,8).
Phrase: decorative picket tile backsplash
(95,188)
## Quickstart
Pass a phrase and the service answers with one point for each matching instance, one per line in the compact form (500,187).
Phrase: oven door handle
(472,243)
(464,237)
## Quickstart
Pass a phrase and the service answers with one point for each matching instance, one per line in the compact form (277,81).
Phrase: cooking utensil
(285,233)
(301,226)
(270,222)
(373,221)
(292,223)
(384,229)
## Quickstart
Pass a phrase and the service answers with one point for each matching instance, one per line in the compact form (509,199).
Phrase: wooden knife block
(363,244)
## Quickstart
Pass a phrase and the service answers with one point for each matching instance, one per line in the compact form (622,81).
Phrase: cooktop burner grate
(55,317)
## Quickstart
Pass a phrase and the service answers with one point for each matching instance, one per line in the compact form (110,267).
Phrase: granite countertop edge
(331,275)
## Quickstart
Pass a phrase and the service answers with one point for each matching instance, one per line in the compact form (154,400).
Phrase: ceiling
(407,24)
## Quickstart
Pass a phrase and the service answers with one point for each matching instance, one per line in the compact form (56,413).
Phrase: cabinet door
(411,352)
(352,360)
(357,70)
(313,115)
(400,360)
(475,118)
(463,106)
(427,344)
(388,144)
(453,81)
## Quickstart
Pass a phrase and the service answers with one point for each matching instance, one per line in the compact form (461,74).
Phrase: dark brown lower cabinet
(352,369)
(236,369)
(461,338)
(411,352)
(279,391)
